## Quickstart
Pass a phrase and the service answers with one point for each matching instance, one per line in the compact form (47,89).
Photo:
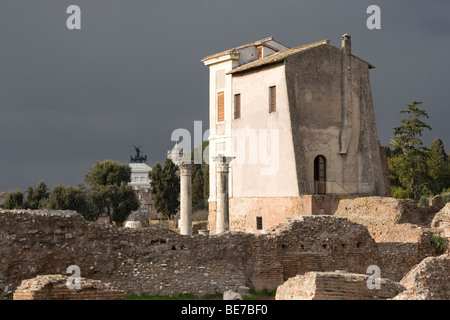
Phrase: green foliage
(36,197)
(109,190)
(206,183)
(445,197)
(108,173)
(14,200)
(200,176)
(408,166)
(123,203)
(439,165)
(72,198)
(423,201)
(165,186)
(439,244)
(197,188)
(400,193)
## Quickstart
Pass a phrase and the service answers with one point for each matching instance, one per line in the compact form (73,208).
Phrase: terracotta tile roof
(277,57)
(255,43)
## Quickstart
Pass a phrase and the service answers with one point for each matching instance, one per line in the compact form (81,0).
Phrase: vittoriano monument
(138,158)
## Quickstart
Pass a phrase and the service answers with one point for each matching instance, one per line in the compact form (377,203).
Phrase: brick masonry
(336,286)
(401,229)
(272,210)
(158,261)
(429,280)
(54,287)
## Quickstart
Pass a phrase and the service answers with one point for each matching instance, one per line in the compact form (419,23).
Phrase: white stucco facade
(139,175)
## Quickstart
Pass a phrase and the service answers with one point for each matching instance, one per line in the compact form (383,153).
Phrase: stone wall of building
(54,287)
(336,286)
(275,211)
(157,261)
(429,280)
(400,228)
(441,222)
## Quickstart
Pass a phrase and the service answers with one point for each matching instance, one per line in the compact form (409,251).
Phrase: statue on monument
(138,158)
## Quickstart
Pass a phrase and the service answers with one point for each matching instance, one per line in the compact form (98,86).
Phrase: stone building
(141,185)
(300,125)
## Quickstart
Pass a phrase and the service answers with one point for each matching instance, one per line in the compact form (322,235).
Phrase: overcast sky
(133,74)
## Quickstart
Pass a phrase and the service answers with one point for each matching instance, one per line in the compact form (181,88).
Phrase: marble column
(185,198)
(222,170)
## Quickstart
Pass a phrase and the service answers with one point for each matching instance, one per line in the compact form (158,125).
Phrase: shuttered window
(259,225)
(272,99)
(237,106)
(220,107)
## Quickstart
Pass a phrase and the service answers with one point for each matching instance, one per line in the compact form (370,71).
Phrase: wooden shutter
(259,224)
(272,99)
(237,106)
(220,107)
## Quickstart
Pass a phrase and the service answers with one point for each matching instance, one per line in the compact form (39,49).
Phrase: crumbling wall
(54,287)
(311,243)
(429,280)
(147,260)
(336,286)
(441,222)
(157,261)
(399,227)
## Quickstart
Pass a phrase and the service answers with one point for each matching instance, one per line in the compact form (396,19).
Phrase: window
(259,225)
(220,107)
(272,99)
(320,174)
(237,106)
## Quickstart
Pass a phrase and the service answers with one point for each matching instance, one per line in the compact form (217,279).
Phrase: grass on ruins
(260,295)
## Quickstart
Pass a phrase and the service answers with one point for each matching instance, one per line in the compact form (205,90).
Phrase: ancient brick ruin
(158,261)
(336,286)
(54,287)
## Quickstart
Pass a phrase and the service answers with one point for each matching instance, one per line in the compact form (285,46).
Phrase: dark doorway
(320,175)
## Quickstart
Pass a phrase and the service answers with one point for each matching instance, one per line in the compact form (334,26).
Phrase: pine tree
(413,170)
(197,189)
(165,188)
(14,200)
(439,166)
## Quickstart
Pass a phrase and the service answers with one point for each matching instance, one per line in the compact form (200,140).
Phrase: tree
(72,198)
(165,186)
(36,197)
(200,176)
(110,191)
(411,169)
(14,200)
(197,189)
(439,165)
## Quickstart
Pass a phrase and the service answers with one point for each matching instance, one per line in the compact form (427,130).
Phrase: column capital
(185,167)
(223,162)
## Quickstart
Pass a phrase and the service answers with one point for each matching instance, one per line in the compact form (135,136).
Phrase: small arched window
(320,175)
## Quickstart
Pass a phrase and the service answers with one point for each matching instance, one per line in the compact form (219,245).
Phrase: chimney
(346,44)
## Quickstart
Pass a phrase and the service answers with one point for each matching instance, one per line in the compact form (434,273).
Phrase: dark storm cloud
(132,74)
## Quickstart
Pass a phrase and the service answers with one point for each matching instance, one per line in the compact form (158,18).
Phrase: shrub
(439,244)
(423,201)
(445,197)
(400,193)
